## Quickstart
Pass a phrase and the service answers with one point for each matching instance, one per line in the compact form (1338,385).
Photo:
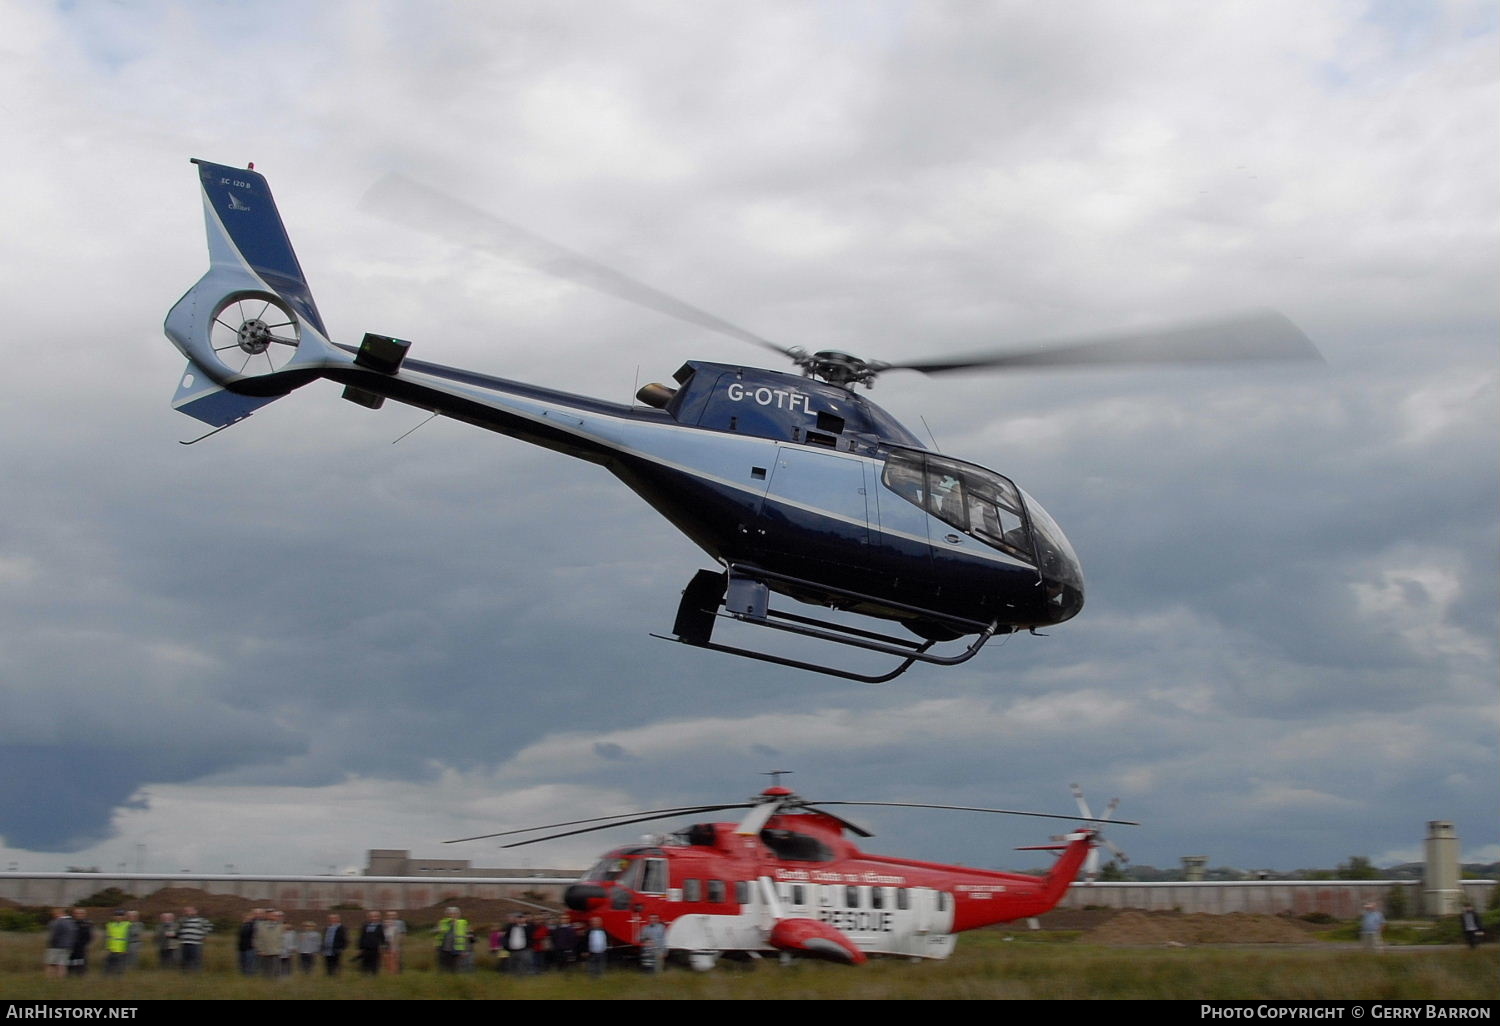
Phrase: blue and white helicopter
(795,485)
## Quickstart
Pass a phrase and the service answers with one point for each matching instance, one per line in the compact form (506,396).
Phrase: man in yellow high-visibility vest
(453,940)
(116,942)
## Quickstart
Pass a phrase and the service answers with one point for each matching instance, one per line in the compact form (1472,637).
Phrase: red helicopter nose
(584,897)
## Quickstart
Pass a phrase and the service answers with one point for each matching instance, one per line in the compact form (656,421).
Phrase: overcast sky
(296,641)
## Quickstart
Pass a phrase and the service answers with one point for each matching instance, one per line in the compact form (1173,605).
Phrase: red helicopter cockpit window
(609,870)
(632,870)
(977,501)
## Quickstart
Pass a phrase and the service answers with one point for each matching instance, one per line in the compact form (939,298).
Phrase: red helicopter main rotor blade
(1003,812)
(615,820)
(625,822)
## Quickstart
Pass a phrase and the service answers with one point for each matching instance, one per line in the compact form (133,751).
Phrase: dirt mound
(1175,928)
(1074,918)
(175,899)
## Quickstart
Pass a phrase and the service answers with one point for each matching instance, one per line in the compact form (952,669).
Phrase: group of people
(526,943)
(270,946)
(71,935)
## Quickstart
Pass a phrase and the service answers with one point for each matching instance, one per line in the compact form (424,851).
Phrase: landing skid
(744,592)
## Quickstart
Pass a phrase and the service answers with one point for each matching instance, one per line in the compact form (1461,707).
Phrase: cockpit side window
(945,495)
(978,502)
(904,475)
(654,879)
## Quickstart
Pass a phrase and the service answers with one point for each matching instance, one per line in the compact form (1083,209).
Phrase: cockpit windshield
(609,869)
(977,501)
(1059,561)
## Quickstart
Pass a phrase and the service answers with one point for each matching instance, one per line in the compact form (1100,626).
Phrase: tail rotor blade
(1083,805)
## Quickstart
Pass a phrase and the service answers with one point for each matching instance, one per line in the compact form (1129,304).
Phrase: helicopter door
(815,507)
(899,507)
(921,902)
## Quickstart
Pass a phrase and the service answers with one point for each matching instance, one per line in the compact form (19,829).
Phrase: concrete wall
(1342,899)
(285,892)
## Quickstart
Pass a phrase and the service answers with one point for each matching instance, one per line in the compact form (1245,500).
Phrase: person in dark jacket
(1473,926)
(371,943)
(61,933)
(83,936)
(246,943)
(335,940)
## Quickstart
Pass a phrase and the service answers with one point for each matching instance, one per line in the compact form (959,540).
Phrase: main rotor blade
(1258,335)
(409,203)
(685,810)
(755,821)
(625,822)
(847,824)
(1002,812)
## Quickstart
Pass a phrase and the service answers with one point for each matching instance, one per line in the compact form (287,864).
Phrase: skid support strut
(744,592)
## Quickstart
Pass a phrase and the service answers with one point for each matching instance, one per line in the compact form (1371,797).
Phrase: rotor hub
(253,333)
(254,336)
(842,369)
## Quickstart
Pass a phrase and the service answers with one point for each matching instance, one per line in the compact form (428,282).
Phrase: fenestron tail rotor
(253,333)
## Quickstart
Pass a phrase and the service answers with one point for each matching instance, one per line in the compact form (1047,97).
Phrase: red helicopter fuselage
(801,886)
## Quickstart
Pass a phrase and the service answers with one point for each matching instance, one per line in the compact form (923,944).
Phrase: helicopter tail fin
(249,327)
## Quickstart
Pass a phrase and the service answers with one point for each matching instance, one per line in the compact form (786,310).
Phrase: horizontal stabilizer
(201,399)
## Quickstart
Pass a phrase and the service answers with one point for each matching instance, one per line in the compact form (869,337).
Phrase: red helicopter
(786,879)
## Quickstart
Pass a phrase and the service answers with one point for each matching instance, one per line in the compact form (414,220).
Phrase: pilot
(946,501)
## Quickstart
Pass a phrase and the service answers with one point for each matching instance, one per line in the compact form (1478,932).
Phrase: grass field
(985,966)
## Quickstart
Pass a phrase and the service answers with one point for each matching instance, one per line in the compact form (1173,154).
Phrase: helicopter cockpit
(977,501)
(989,507)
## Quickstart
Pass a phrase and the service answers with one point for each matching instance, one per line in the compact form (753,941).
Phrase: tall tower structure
(1441,895)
